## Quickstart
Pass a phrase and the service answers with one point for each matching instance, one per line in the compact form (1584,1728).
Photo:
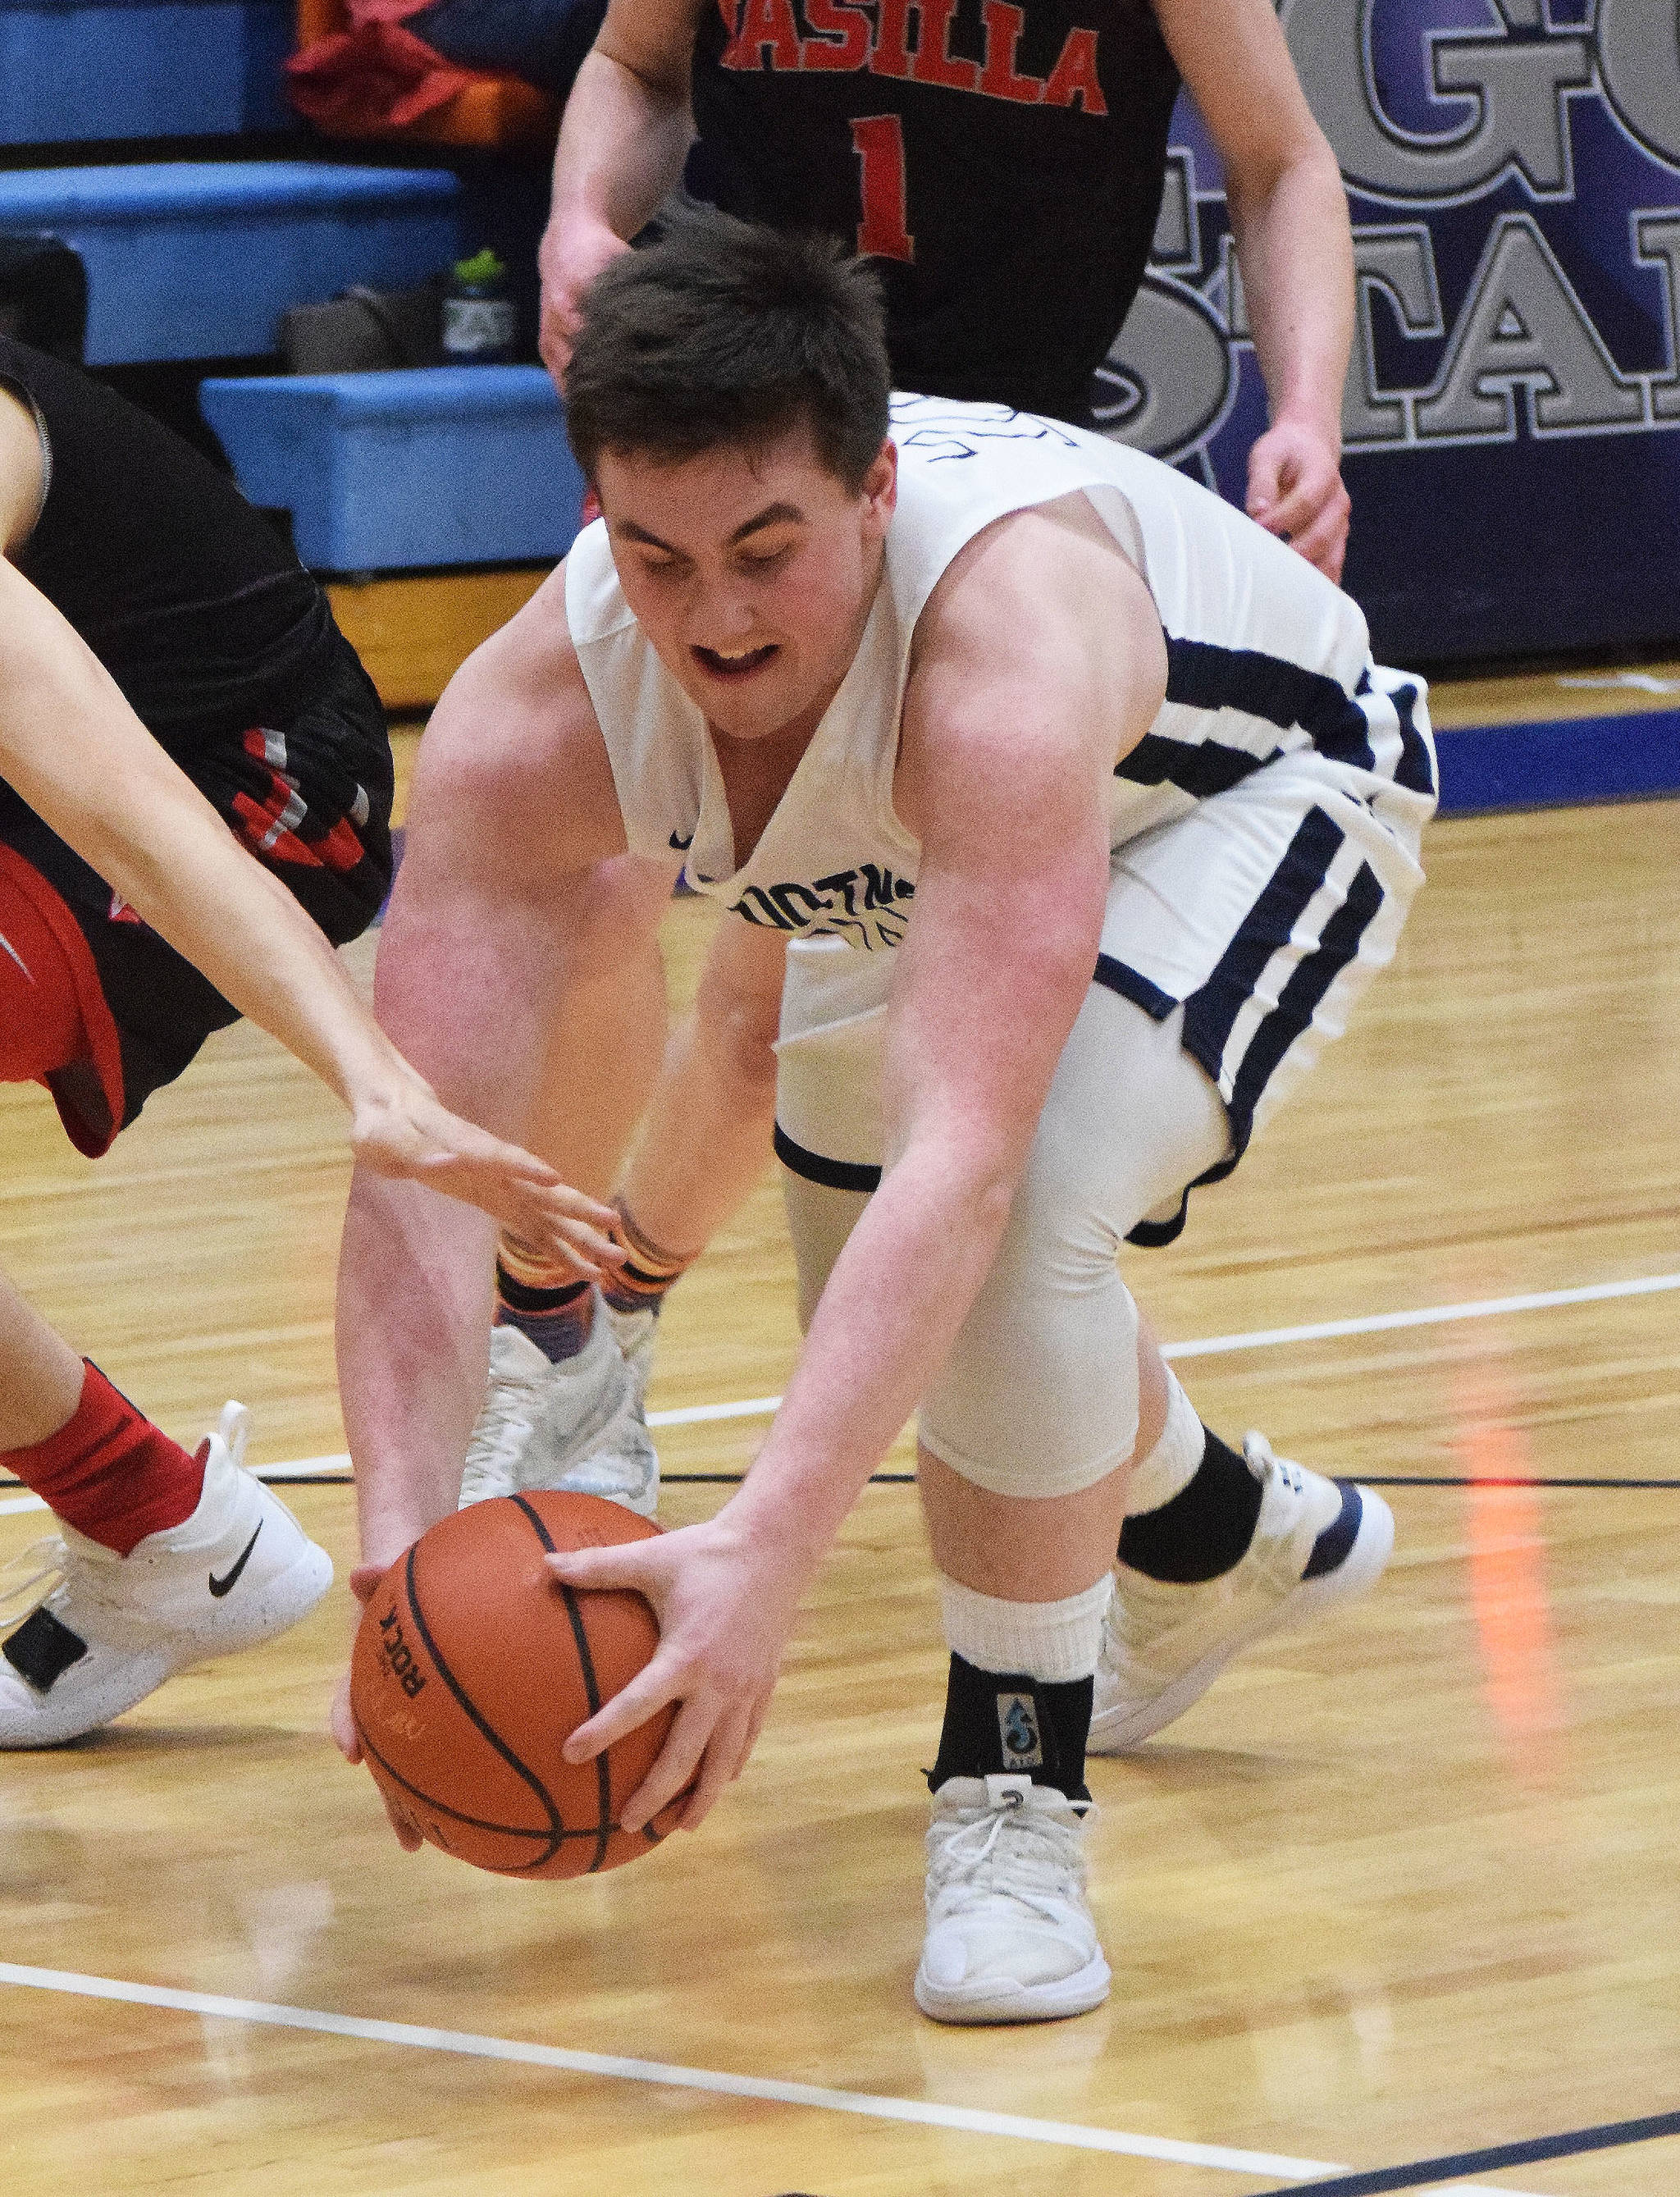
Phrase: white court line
(1211,1346)
(21,1503)
(610,2067)
(1267,1339)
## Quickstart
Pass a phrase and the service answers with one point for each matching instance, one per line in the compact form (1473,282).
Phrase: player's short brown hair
(725,331)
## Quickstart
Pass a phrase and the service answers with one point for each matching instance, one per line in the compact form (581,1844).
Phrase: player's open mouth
(734,666)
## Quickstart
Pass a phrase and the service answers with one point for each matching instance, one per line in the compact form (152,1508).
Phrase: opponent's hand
(725,1607)
(342,1724)
(568,260)
(1295,491)
(404,1131)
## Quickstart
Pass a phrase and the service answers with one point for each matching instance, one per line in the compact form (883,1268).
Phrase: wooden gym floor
(1400,1887)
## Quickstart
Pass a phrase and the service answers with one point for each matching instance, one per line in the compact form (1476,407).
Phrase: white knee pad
(1040,1395)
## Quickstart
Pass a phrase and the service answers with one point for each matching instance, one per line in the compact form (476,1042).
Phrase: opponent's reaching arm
(1294,247)
(1040,662)
(76,752)
(623,139)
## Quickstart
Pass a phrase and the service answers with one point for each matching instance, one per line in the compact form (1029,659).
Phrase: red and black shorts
(92,1002)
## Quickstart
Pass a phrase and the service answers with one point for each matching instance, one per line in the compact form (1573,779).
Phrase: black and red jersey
(188,596)
(1004,162)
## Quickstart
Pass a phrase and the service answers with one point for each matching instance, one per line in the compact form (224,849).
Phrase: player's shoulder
(23,469)
(529,665)
(593,601)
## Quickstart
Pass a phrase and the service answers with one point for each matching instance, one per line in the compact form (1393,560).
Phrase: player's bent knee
(1040,1395)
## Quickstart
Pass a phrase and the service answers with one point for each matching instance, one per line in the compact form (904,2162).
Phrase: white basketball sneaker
(576,1425)
(240,1570)
(1010,1935)
(1317,1542)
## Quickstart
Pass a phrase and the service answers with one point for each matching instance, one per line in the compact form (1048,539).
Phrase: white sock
(1054,1641)
(1175,1461)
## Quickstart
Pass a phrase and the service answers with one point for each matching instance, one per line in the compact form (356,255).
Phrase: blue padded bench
(73,69)
(198,260)
(447,464)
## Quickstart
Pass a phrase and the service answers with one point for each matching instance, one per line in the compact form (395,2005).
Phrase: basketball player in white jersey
(1071,816)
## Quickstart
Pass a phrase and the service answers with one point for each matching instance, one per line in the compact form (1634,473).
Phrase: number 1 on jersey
(884,230)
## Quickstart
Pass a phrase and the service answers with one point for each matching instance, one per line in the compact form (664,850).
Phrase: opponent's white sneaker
(1317,1542)
(240,1570)
(576,1425)
(1010,1935)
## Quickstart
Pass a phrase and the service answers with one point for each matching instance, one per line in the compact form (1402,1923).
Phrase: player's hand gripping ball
(473,1666)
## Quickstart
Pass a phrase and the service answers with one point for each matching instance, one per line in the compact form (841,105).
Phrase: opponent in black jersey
(1004,164)
(226,651)
(158,644)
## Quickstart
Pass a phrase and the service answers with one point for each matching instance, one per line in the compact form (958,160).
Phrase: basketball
(473,1667)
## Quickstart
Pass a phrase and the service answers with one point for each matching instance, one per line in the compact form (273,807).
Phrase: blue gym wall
(1513,419)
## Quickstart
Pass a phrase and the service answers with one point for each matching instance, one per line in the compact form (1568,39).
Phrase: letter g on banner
(1639,60)
(1514,89)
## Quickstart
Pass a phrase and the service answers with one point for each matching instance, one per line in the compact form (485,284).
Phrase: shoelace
(21,1597)
(1040,1857)
(1151,1607)
(1264,1461)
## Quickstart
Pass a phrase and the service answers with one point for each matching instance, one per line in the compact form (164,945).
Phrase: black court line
(1610,2136)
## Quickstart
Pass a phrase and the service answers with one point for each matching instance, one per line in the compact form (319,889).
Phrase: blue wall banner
(1512,417)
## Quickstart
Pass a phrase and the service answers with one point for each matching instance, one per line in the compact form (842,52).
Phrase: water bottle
(480,321)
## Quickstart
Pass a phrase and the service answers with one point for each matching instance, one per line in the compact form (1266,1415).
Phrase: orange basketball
(473,1666)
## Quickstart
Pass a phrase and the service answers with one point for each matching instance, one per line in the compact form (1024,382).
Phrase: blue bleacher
(78,69)
(439,466)
(198,259)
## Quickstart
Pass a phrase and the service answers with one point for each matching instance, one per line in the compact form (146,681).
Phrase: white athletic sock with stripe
(1053,1641)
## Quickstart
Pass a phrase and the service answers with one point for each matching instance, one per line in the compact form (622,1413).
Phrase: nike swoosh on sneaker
(229,1580)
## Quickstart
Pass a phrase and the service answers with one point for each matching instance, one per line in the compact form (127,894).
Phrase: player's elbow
(1294,159)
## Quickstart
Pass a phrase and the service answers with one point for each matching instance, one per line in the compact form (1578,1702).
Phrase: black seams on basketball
(473,1667)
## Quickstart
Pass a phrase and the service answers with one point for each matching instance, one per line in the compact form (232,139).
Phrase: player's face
(750,572)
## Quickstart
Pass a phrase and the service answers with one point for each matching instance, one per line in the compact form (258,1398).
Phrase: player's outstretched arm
(75,751)
(1039,663)
(512,808)
(1295,248)
(624,138)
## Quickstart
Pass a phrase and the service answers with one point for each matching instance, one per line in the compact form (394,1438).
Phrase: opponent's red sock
(108,1471)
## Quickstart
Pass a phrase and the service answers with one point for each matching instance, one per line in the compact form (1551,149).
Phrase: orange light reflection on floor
(1509,1592)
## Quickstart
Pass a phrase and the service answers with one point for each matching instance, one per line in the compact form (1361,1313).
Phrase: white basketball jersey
(1265,657)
